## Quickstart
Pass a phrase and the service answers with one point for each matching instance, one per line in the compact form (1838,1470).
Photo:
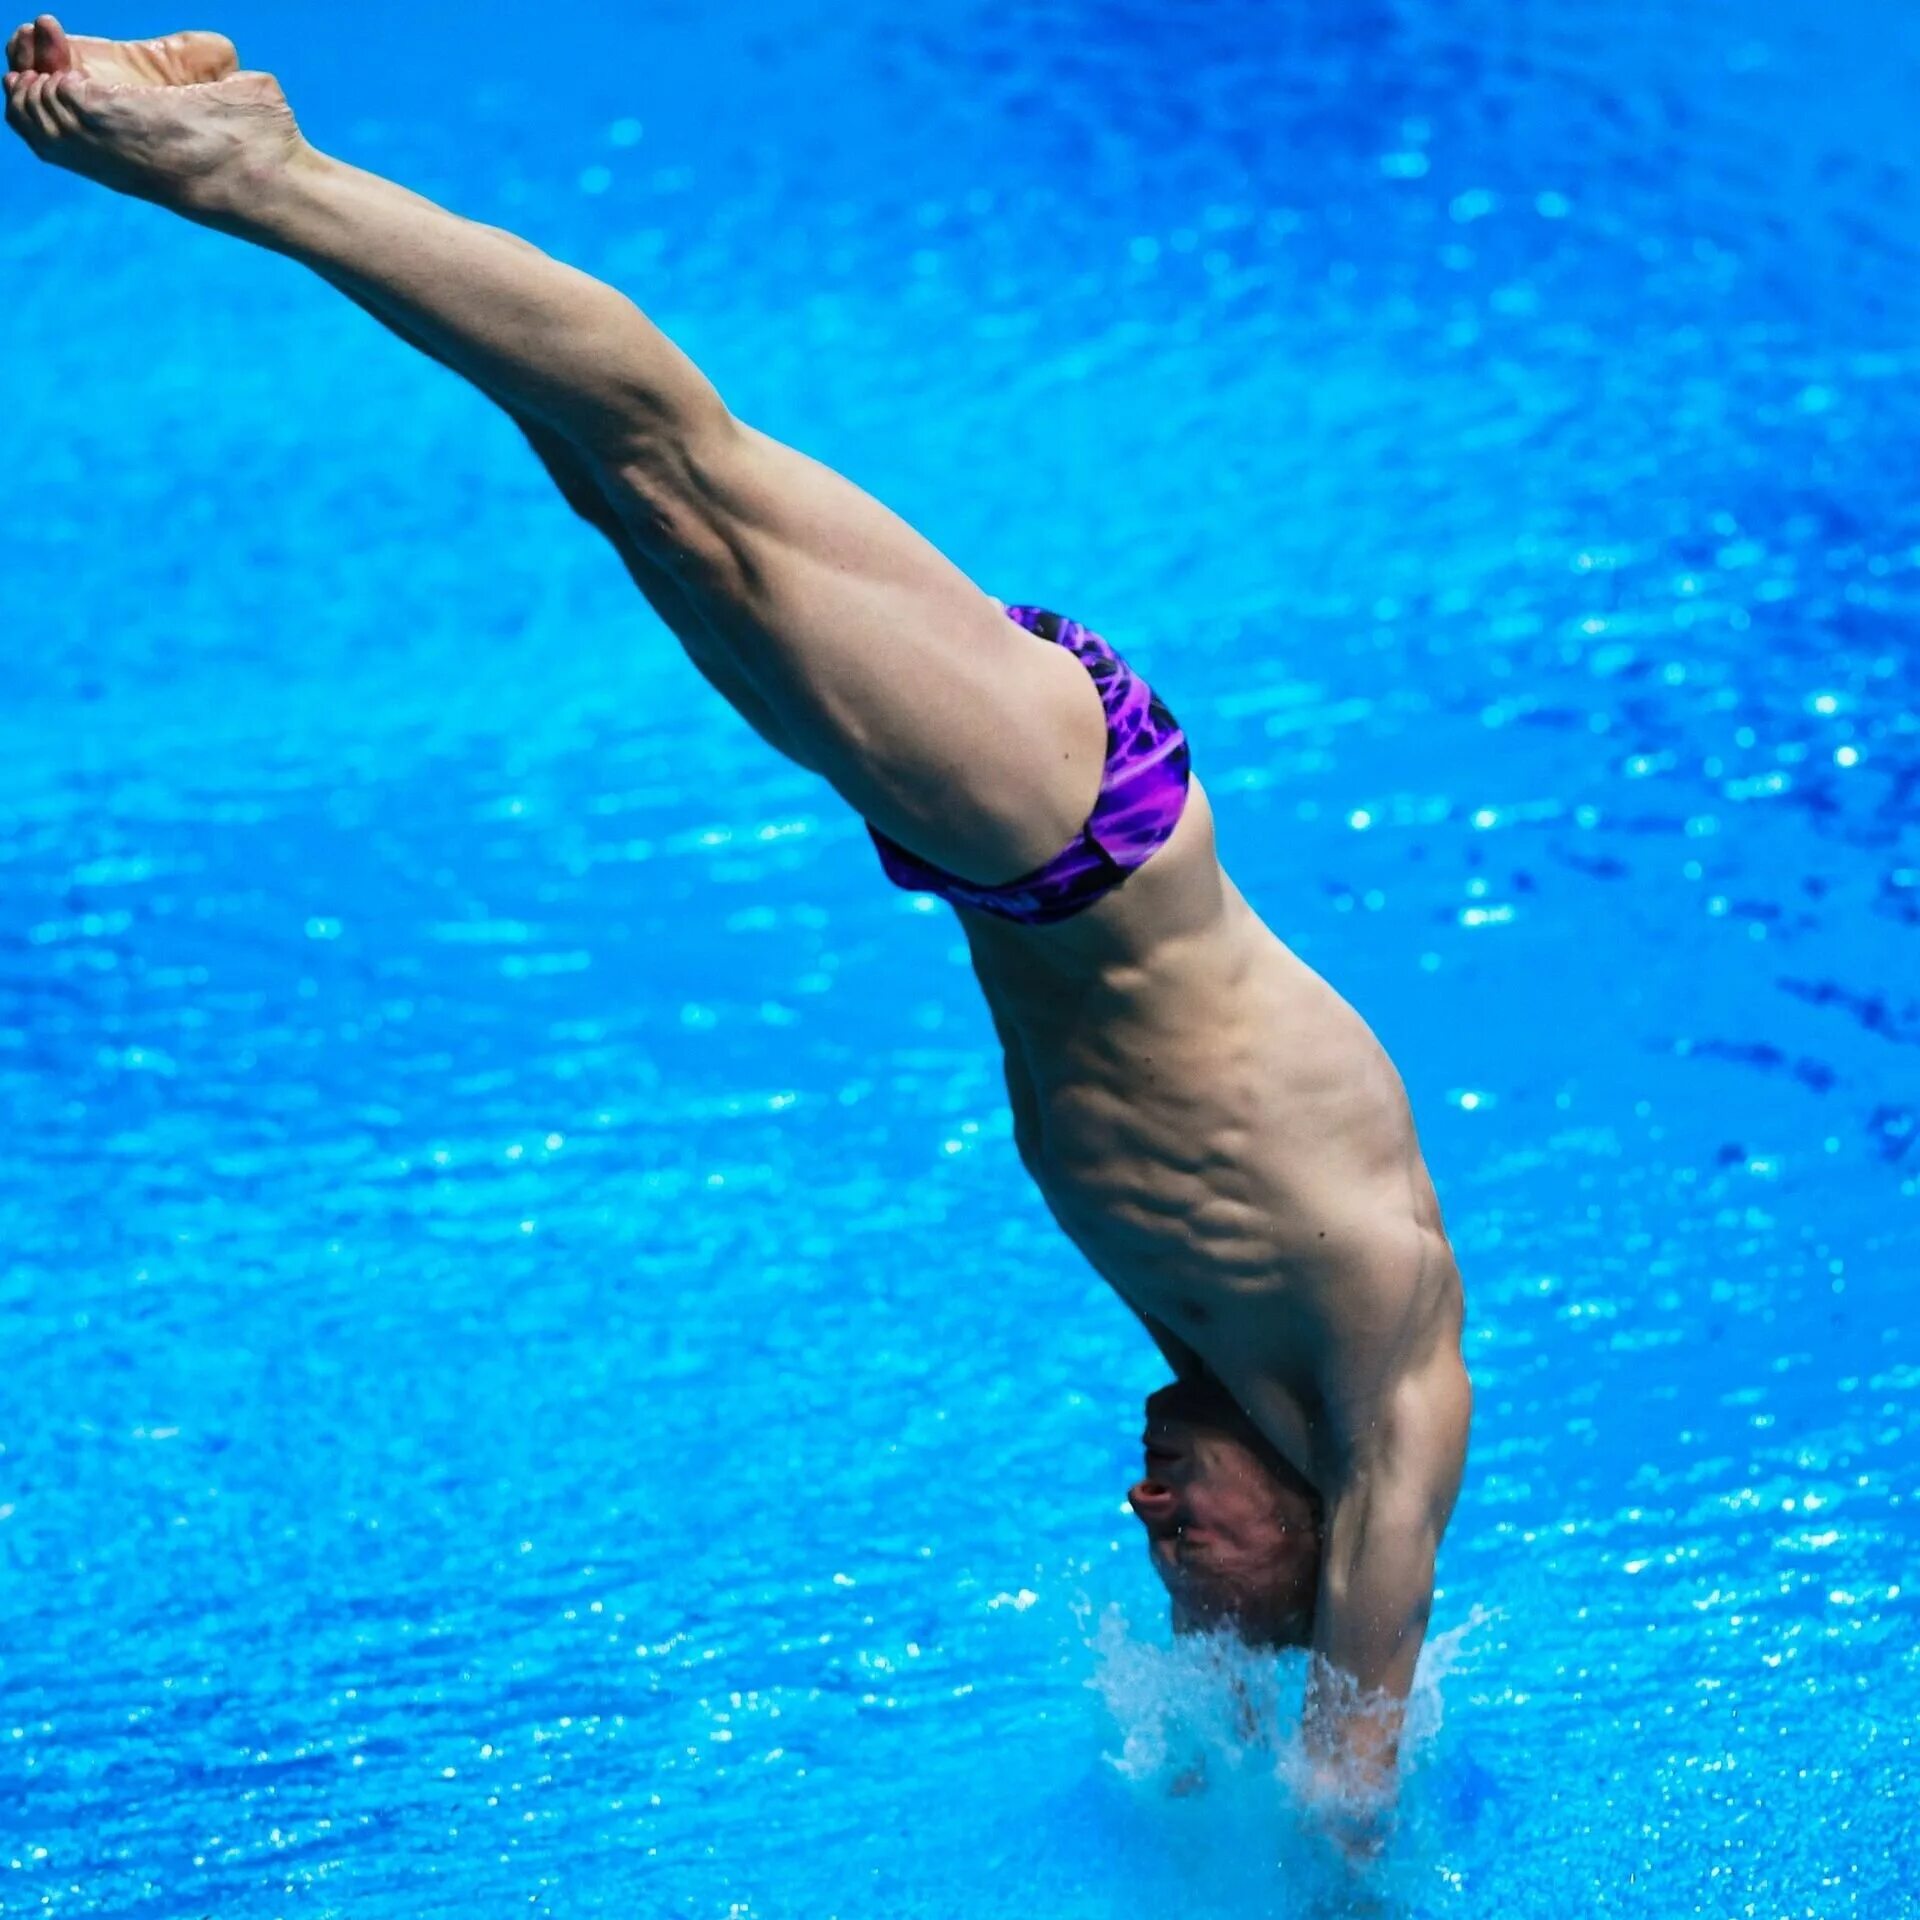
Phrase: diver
(1215,1129)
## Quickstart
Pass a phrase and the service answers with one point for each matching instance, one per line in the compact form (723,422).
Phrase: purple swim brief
(1142,793)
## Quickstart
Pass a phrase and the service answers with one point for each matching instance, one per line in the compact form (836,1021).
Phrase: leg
(839,633)
(189,59)
(607,499)
(571,474)
(971,742)
(836,630)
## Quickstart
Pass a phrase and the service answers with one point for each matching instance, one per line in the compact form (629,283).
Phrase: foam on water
(1211,1749)
(1206,1705)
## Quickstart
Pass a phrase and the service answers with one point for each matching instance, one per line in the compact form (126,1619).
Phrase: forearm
(1376,1593)
(542,338)
(1384,1521)
(1352,1748)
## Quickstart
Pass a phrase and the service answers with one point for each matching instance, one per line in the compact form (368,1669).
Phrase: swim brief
(1142,793)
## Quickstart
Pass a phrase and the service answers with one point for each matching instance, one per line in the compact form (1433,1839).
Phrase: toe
(51,54)
(204,56)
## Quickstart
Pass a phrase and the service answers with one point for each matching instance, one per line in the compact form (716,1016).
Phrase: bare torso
(1227,1143)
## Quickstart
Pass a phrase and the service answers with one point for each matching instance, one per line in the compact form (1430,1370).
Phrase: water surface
(533,1380)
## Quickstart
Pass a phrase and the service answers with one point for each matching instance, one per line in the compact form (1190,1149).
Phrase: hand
(1353,1813)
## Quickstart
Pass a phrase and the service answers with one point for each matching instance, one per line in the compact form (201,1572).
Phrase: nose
(1152,1501)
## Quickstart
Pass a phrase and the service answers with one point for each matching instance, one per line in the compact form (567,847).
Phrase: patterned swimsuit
(1142,793)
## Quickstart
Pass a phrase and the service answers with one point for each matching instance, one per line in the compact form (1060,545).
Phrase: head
(1233,1530)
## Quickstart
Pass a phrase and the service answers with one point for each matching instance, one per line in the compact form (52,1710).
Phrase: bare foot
(180,60)
(164,120)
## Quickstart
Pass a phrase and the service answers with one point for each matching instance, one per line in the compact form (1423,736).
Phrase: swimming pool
(533,1382)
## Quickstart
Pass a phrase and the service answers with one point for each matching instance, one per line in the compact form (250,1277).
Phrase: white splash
(1208,1705)
(1223,1802)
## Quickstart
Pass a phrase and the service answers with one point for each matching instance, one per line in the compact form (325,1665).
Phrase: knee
(591,505)
(664,491)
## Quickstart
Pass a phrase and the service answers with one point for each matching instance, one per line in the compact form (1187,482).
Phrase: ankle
(252,195)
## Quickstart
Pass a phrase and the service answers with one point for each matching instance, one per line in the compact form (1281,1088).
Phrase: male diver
(1212,1126)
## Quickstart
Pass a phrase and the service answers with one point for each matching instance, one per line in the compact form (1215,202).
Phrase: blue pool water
(532,1380)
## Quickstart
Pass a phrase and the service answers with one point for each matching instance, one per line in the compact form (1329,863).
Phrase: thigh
(970,741)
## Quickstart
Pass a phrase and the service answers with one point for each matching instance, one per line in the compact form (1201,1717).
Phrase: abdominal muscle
(1229,1146)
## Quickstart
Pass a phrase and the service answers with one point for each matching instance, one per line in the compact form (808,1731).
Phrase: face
(1233,1530)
